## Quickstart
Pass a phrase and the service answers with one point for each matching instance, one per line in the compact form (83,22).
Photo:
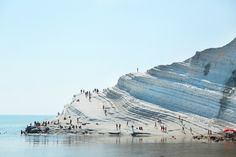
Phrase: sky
(49,50)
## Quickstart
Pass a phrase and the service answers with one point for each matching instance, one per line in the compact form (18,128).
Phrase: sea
(13,144)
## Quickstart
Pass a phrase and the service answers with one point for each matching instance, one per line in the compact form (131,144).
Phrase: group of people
(163,128)
(96,90)
(44,123)
(118,126)
(132,127)
(86,93)
(71,124)
(82,91)
(209,132)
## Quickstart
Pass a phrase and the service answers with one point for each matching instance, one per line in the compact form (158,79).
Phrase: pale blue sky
(50,49)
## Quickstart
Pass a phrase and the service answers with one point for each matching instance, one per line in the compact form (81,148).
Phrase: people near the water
(155,125)
(105,111)
(22,132)
(191,130)
(132,128)
(118,126)
(209,132)
(163,128)
(140,128)
(127,123)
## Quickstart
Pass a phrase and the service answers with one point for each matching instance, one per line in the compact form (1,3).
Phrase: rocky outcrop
(202,85)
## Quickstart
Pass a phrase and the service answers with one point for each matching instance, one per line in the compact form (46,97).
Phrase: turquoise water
(12,144)
(12,124)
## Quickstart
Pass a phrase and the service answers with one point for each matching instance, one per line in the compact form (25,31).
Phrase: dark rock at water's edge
(35,130)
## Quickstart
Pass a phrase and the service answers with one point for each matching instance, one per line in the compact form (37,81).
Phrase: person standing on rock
(119,126)
(90,96)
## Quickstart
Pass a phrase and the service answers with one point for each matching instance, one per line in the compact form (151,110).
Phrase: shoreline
(123,139)
(99,113)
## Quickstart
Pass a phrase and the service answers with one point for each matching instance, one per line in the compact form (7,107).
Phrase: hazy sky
(50,49)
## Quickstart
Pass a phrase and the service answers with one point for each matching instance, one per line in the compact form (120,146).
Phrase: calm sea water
(12,144)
